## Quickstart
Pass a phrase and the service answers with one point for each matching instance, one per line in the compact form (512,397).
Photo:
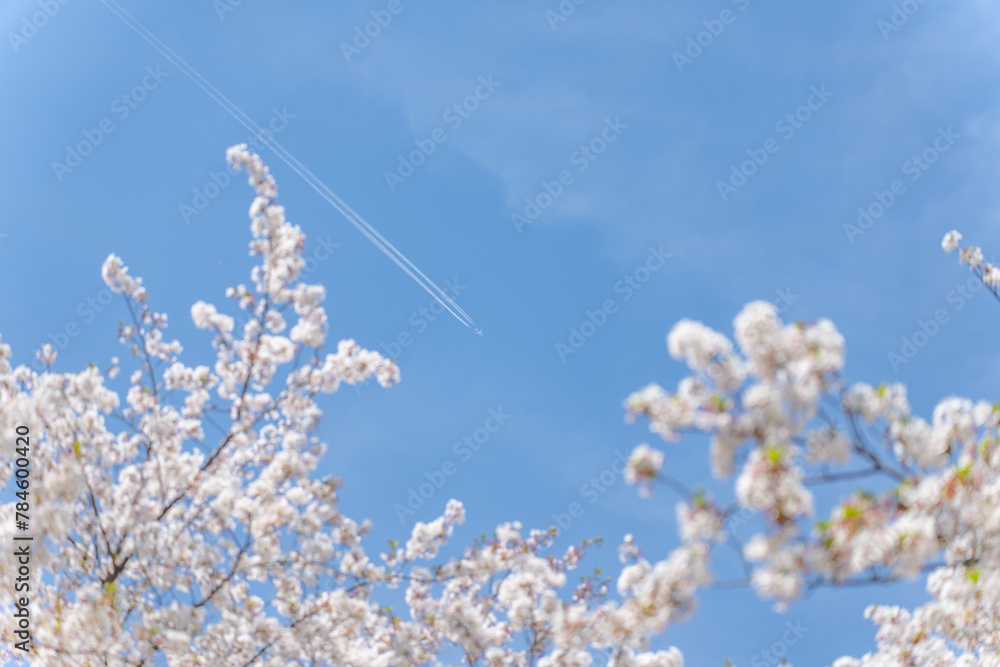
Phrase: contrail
(363,226)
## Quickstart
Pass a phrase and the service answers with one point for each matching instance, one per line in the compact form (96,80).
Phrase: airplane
(479,332)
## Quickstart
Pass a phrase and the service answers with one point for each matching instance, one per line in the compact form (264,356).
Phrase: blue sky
(554,86)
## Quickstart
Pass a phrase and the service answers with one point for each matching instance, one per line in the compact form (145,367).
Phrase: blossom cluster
(781,419)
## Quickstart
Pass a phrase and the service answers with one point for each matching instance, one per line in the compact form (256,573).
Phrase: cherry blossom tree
(182,522)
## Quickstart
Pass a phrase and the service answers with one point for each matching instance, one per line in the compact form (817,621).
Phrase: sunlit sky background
(780,233)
